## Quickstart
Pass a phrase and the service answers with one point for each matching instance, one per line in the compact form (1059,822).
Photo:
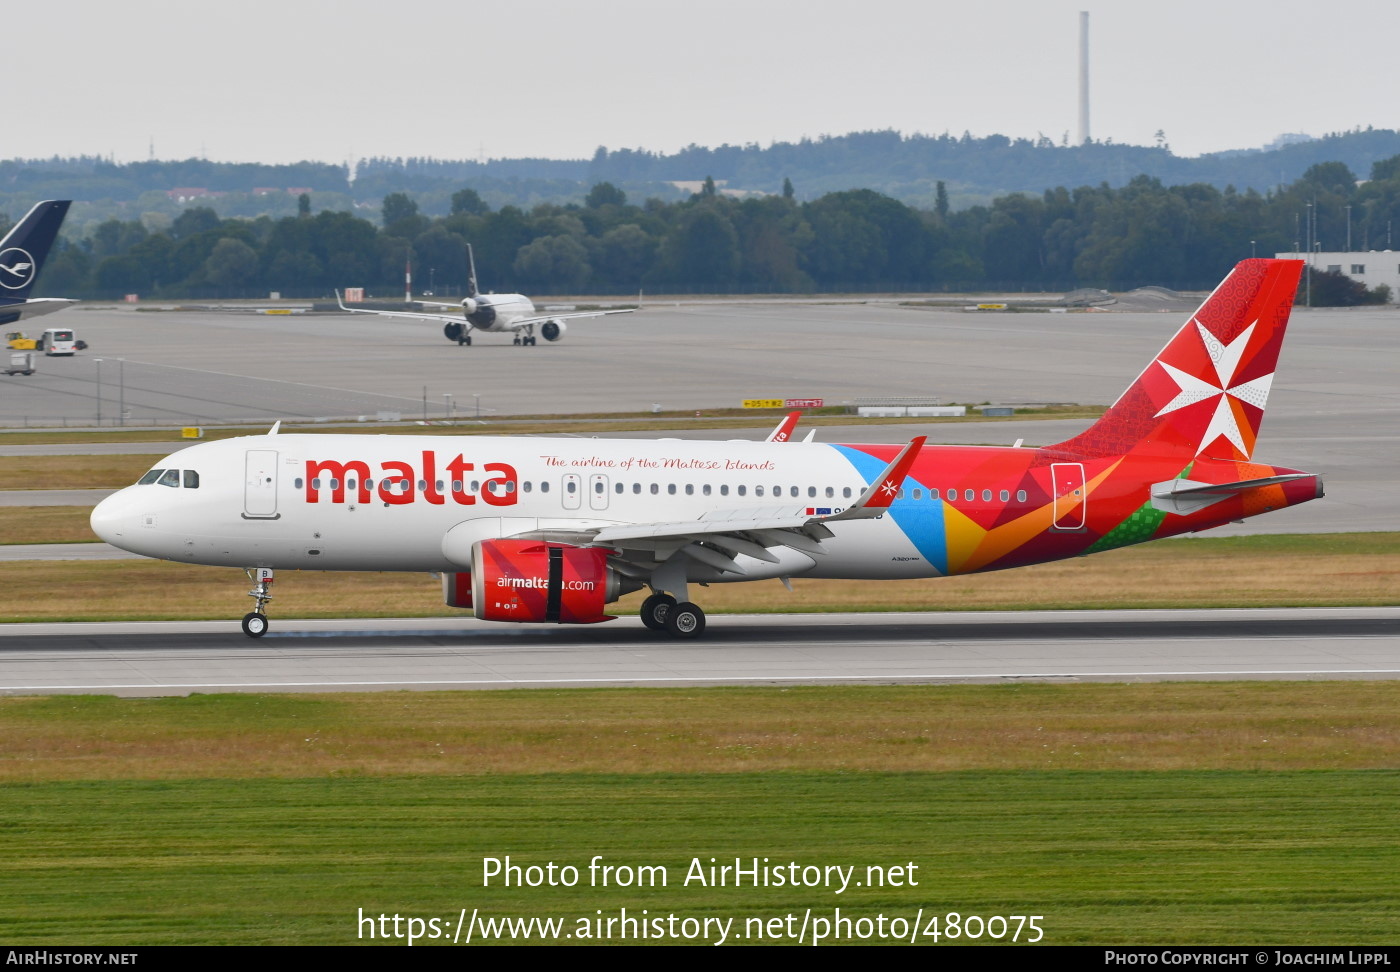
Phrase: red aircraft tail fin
(1205,393)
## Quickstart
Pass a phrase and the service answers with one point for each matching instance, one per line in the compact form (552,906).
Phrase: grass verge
(46,524)
(75,472)
(1245,726)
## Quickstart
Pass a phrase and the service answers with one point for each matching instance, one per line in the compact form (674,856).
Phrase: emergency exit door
(1067,479)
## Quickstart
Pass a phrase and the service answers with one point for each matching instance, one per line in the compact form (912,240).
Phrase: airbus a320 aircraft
(22,255)
(509,313)
(554,530)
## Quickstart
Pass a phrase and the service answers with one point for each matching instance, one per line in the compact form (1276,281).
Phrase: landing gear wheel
(685,620)
(516,342)
(655,609)
(255,621)
(530,341)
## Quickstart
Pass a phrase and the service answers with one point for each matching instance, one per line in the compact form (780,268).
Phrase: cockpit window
(150,477)
(171,478)
(191,479)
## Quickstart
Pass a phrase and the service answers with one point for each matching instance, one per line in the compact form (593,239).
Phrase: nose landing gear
(255,621)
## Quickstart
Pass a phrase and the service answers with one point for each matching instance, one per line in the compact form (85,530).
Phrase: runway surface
(178,658)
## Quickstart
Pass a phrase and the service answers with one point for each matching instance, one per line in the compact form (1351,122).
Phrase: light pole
(99,391)
(1348,229)
(447,405)
(1252,252)
(121,391)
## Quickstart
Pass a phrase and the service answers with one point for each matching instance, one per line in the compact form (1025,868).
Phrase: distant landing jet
(494,313)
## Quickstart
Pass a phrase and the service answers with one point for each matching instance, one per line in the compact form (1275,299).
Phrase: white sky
(284,80)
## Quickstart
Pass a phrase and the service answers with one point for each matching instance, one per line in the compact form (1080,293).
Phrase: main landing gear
(526,341)
(660,612)
(255,621)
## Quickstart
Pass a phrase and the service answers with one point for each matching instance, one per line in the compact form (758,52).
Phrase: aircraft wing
(410,315)
(726,534)
(542,318)
(33,307)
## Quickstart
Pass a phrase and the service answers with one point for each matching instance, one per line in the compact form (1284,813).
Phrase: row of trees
(856,240)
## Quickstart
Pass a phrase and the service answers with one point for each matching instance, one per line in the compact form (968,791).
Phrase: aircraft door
(571,491)
(260,484)
(598,491)
(1067,482)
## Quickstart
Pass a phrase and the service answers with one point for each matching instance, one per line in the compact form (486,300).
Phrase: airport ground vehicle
(21,363)
(59,341)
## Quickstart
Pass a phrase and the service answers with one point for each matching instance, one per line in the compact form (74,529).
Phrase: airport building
(1370,267)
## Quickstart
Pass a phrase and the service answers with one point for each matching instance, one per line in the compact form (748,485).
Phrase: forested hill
(907,168)
(904,167)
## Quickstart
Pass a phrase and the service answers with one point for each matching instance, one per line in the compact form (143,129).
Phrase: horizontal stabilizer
(1186,496)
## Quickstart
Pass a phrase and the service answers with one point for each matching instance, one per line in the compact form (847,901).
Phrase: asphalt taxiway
(179,658)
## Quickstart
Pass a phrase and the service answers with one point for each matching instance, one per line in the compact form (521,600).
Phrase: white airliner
(555,529)
(494,313)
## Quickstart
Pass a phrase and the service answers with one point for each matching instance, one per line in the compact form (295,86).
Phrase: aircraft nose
(109,519)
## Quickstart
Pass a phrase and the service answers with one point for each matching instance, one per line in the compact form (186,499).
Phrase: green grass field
(1144,858)
(1235,813)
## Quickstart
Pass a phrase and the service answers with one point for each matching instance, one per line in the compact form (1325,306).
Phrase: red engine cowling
(531,580)
(457,589)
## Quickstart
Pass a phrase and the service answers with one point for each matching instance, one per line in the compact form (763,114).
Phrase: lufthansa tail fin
(24,248)
(472,289)
(1205,392)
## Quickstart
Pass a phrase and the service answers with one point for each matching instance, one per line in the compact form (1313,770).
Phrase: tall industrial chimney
(1083,77)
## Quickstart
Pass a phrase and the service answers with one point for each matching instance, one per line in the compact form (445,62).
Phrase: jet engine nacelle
(553,330)
(469,306)
(533,581)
